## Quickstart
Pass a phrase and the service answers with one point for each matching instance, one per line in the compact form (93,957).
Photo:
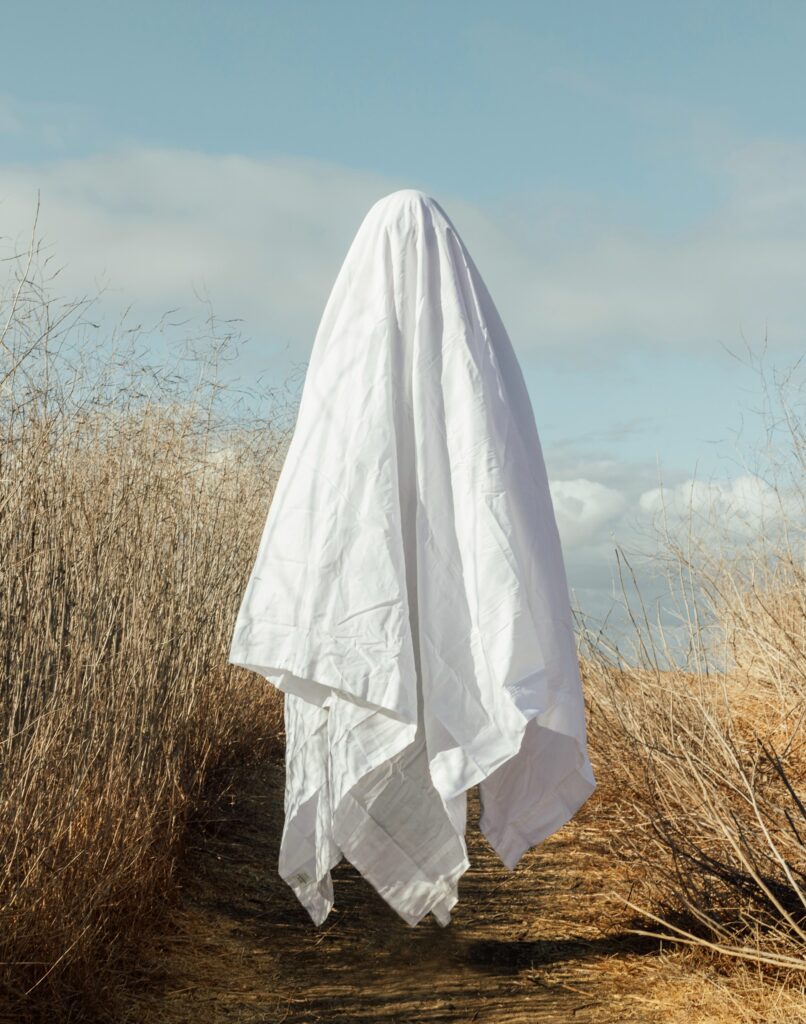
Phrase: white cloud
(609,505)
(743,506)
(585,509)
(265,239)
(621,290)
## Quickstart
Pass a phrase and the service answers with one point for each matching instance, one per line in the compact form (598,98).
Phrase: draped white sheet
(409,593)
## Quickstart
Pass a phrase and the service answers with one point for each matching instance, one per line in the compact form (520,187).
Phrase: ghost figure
(409,594)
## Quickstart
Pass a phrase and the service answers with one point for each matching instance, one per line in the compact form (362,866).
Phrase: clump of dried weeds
(700,740)
(131,499)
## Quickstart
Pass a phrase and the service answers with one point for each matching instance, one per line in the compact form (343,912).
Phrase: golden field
(131,502)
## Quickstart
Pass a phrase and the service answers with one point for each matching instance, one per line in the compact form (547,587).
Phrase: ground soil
(545,942)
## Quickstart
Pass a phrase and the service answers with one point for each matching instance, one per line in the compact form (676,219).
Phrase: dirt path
(536,944)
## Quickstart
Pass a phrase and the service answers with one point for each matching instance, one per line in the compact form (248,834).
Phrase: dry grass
(703,741)
(131,500)
(130,505)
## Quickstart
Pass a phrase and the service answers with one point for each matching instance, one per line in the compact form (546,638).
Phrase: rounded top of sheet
(406,196)
(405,200)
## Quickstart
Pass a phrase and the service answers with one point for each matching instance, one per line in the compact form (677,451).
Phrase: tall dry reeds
(701,741)
(131,499)
(132,495)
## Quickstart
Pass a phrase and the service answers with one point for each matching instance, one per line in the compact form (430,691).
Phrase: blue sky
(629,177)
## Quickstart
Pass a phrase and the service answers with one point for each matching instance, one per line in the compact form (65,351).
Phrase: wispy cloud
(263,239)
(266,238)
(49,124)
(737,271)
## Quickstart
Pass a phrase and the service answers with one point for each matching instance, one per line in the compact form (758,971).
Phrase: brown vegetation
(130,505)
(131,501)
(703,741)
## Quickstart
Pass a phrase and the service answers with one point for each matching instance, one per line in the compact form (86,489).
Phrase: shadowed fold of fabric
(409,595)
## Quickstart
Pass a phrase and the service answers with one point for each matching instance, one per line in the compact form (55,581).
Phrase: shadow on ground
(517,950)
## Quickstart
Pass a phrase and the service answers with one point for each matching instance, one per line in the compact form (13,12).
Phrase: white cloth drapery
(409,593)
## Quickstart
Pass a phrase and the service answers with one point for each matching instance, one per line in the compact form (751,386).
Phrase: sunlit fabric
(409,594)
